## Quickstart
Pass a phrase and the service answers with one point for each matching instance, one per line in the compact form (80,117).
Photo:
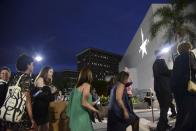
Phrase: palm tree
(177,23)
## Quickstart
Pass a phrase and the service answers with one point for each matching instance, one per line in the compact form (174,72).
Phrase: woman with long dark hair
(80,104)
(42,97)
(120,114)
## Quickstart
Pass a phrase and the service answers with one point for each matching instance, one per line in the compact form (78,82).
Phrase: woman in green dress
(80,105)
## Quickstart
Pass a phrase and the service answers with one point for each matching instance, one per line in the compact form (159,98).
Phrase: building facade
(102,63)
(140,67)
(70,78)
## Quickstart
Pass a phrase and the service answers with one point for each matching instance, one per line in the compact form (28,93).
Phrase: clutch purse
(191,86)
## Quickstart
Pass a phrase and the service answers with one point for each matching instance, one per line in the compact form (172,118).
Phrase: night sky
(58,29)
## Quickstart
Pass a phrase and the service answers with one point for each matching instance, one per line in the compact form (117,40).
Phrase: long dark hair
(85,76)
(44,74)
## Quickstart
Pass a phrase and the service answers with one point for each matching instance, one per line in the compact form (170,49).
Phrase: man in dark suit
(162,89)
(5,75)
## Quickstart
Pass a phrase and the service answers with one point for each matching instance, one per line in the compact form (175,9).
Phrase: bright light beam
(38,58)
(165,50)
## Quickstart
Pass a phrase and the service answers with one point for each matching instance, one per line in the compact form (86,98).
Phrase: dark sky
(58,29)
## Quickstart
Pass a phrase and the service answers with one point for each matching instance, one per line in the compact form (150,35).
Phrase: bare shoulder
(120,85)
(86,87)
(40,79)
(39,82)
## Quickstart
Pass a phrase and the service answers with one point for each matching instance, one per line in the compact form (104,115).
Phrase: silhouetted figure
(173,110)
(162,90)
(185,101)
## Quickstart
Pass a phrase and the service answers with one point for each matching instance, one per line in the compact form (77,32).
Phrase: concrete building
(140,67)
(102,63)
(70,75)
(70,78)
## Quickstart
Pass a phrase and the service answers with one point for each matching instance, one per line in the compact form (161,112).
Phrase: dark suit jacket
(161,77)
(3,91)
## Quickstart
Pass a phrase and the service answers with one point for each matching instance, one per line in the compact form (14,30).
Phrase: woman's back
(181,68)
(181,71)
(79,116)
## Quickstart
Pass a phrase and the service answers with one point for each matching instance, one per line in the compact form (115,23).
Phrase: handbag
(191,84)
(14,104)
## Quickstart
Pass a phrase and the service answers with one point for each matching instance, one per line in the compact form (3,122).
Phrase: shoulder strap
(190,76)
(17,83)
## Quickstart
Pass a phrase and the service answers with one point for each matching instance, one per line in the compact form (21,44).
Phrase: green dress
(79,117)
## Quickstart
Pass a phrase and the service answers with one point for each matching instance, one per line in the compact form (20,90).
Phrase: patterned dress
(25,84)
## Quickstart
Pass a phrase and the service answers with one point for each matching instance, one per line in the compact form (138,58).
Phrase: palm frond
(181,4)
(191,33)
(157,26)
(190,18)
(173,20)
(164,12)
(169,34)
(187,30)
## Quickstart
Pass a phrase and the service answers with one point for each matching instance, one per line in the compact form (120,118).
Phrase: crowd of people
(81,104)
(84,101)
(37,96)
(169,83)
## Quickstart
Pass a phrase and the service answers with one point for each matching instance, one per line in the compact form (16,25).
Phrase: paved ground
(100,126)
(146,114)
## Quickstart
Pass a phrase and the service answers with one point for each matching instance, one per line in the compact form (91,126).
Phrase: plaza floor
(146,120)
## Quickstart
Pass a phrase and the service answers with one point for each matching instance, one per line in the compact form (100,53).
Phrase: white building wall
(141,68)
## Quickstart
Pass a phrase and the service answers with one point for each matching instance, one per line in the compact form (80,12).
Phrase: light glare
(38,58)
